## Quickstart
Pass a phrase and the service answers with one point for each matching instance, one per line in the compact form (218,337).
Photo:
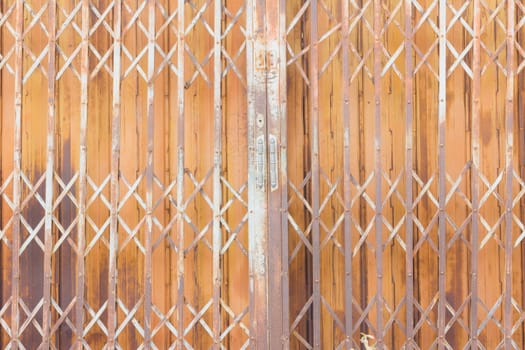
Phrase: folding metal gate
(262,174)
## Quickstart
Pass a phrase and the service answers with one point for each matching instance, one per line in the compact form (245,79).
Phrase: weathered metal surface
(378,24)
(179,324)
(442,191)
(274,118)
(82,196)
(114,182)
(217,173)
(510,110)
(50,174)
(409,166)
(475,190)
(257,184)
(262,174)
(17,179)
(347,181)
(148,264)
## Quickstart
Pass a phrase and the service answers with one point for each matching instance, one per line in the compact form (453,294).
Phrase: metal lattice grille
(122,226)
(404,209)
(235,174)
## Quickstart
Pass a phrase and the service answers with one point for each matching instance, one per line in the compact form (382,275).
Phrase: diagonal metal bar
(129,317)
(63,316)
(231,66)
(198,318)
(101,19)
(31,318)
(96,318)
(164,321)
(363,318)
(425,313)
(236,320)
(64,190)
(490,317)
(3,323)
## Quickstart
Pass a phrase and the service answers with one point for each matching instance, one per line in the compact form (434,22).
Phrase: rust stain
(262,174)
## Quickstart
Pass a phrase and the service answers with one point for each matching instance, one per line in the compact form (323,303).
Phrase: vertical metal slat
(81,225)
(314,117)
(180,174)
(217,169)
(347,197)
(149,174)
(257,194)
(442,111)
(283,174)
(274,79)
(409,78)
(476,70)
(115,158)
(17,186)
(509,171)
(50,174)
(378,173)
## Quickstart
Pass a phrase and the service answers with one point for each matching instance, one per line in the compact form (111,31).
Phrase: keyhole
(260,120)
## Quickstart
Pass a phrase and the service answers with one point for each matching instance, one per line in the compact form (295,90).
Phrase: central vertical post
(257,174)
(267,175)
(277,173)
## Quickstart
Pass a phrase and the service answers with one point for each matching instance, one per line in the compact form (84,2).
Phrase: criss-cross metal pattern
(134,240)
(232,174)
(395,240)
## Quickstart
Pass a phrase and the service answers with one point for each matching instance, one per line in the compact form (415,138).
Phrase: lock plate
(274,182)
(260,149)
